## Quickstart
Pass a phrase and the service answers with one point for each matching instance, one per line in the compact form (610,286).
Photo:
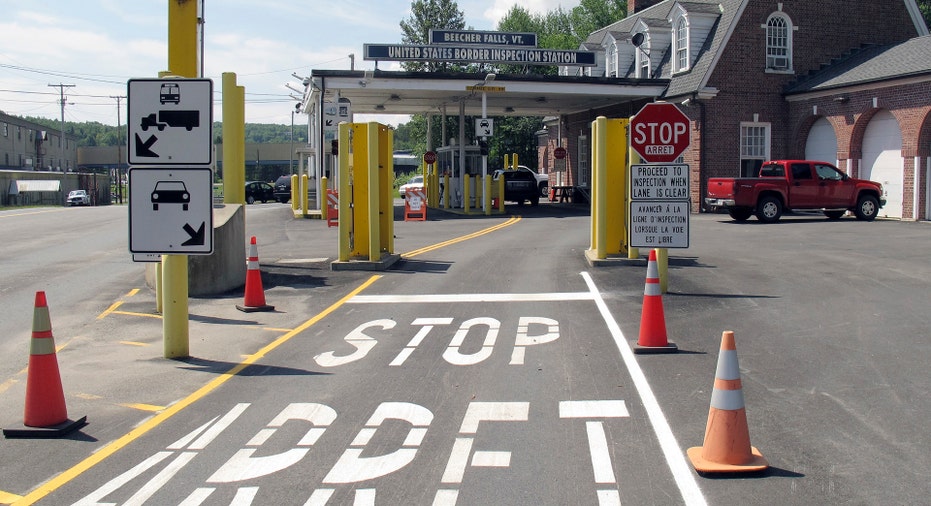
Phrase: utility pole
(119,148)
(61,88)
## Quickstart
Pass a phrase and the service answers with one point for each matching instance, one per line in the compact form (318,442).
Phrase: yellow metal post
(599,176)
(234,141)
(615,192)
(500,194)
(662,265)
(304,198)
(465,193)
(385,188)
(182,61)
(182,38)
(345,192)
(295,191)
(374,230)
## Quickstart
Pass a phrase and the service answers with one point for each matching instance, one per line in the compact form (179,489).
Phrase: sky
(97,45)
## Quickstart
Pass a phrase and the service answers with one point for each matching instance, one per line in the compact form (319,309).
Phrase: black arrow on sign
(198,237)
(329,122)
(142,148)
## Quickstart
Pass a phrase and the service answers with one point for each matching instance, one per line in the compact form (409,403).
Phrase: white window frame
(755,141)
(611,60)
(778,45)
(680,45)
(643,64)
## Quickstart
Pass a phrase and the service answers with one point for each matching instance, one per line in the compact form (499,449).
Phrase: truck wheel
(740,214)
(769,209)
(544,190)
(535,200)
(867,208)
(834,215)
(250,200)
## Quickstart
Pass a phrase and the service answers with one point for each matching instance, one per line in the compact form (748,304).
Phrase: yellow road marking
(8,498)
(143,407)
(7,384)
(111,448)
(450,242)
(133,343)
(132,292)
(90,397)
(110,309)
(130,313)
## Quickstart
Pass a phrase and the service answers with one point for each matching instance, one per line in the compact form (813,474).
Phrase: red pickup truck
(795,184)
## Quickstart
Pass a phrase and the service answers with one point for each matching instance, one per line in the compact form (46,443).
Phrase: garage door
(822,142)
(882,160)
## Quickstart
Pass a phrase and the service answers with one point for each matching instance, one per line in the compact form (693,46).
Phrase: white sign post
(171,210)
(170,121)
(659,206)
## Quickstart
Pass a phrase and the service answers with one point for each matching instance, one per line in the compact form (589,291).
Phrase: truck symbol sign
(187,119)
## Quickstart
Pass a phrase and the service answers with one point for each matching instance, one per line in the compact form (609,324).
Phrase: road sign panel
(484,127)
(559,153)
(429,157)
(659,133)
(659,224)
(659,182)
(171,210)
(170,121)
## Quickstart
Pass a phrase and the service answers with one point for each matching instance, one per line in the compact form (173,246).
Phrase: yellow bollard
(304,198)
(465,193)
(487,194)
(662,264)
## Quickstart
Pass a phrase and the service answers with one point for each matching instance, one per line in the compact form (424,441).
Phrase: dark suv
(283,189)
(519,186)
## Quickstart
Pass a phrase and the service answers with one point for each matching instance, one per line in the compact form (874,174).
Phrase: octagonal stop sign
(659,133)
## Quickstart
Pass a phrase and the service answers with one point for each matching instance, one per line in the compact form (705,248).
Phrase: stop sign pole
(659,133)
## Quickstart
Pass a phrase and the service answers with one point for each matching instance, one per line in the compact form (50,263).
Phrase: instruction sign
(171,210)
(170,121)
(659,206)
(659,224)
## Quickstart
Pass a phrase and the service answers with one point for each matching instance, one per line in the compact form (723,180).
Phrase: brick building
(761,79)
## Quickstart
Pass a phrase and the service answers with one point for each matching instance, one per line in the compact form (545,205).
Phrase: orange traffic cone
(652,320)
(255,295)
(45,414)
(727,438)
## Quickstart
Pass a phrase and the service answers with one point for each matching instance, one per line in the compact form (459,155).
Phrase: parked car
(519,185)
(416,181)
(259,190)
(795,184)
(543,180)
(79,198)
(283,189)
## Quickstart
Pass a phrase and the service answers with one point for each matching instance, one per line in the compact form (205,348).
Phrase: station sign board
(482,38)
(170,121)
(171,210)
(477,54)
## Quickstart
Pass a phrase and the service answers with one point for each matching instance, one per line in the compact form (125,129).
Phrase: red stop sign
(659,133)
(559,153)
(429,157)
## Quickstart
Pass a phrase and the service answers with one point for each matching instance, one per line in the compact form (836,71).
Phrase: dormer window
(779,42)
(611,61)
(681,46)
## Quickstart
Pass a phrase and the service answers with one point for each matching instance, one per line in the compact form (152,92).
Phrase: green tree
(925,7)
(592,15)
(427,15)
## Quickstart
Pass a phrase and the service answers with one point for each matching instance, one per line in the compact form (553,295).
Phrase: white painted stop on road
(659,133)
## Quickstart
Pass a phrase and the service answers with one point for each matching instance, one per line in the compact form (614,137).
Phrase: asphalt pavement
(830,318)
